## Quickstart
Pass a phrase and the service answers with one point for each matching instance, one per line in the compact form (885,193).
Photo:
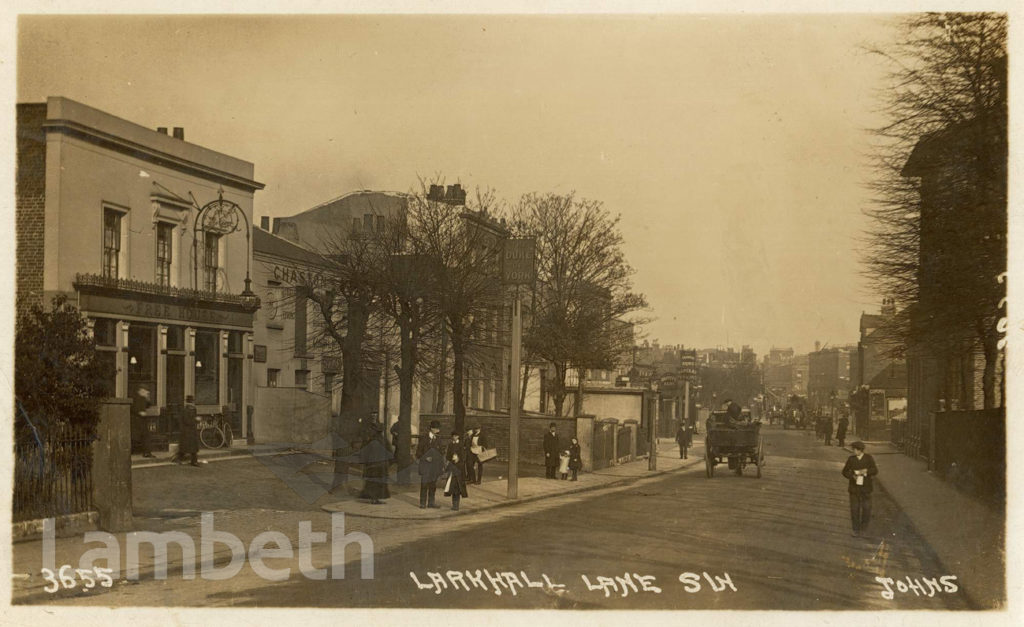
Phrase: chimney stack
(161,129)
(179,133)
(265,223)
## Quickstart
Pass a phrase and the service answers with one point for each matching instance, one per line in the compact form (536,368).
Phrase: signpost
(517,268)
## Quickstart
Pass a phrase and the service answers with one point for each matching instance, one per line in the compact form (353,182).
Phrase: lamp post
(220,216)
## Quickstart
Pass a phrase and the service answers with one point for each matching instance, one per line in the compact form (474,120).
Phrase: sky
(734,147)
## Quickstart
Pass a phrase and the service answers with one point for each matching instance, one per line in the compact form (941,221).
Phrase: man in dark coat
(682,439)
(828,431)
(844,424)
(188,441)
(859,470)
(551,451)
(431,464)
(140,421)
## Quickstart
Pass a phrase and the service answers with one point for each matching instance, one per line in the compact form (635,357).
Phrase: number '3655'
(65,578)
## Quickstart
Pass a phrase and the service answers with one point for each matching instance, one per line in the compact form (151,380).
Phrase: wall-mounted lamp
(199,364)
(133,361)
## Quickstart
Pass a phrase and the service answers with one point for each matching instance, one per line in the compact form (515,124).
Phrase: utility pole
(517,268)
(513,425)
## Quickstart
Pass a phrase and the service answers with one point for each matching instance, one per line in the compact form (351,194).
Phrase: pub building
(107,215)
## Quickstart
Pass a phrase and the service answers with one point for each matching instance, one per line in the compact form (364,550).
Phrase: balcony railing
(143,287)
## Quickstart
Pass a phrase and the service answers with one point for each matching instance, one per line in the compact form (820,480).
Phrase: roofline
(353,193)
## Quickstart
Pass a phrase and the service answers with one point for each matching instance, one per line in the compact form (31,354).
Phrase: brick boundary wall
(495,429)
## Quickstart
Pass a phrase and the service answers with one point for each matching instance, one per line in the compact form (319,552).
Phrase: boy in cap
(859,470)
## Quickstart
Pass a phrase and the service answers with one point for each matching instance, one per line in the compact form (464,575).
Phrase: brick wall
(495,429)
(30,194)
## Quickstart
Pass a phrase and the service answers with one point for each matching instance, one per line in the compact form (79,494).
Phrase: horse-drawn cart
(735,444)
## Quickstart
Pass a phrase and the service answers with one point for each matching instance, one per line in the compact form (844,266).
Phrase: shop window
(112,219)
(302,379)
(141,357)
(104,332)
(164,251)
(273,377)
(207,368)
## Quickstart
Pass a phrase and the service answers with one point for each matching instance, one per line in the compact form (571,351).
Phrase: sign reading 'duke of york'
(517,261)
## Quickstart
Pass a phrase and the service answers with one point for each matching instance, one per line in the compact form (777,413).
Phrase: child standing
(455,487)
(575,461)
(563,464)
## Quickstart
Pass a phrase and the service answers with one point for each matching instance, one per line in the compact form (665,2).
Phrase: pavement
(961,530)
(493,492)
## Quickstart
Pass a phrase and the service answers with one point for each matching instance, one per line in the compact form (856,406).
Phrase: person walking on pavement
(844,424)
(188,441)
(682,439)
(575,459)
(477,444)
(455,486)
(828,431)
(859,470)
(431,464)
(551,451)
(140,421)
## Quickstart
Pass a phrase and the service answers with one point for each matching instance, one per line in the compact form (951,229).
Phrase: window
(164,250)
(368,222)
(211,256)
(111,242)
(328,384)
(273,375)
(380,223)
(302,379)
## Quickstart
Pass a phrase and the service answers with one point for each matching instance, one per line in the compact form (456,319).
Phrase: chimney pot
(161,129)
(179,133)
(265,223)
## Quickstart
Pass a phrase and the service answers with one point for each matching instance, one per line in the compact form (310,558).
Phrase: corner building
(106,214)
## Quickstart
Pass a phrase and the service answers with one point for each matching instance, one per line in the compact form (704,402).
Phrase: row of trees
(944,150)
(425,286)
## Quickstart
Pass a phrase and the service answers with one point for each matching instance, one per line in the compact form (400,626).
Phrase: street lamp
(220,216)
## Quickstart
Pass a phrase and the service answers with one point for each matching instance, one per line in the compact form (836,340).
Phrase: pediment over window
(167,208)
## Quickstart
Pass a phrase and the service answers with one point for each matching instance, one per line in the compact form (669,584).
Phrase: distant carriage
(734,444)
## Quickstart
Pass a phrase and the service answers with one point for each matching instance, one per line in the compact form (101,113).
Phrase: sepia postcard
(350,312)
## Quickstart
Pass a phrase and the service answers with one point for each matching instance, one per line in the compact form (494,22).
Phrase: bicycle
(215,431)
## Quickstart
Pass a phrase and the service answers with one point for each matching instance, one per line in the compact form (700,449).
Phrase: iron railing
(144,287)
(53,472)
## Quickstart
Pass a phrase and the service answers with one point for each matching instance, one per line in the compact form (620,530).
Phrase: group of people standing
(559,461)
(459,464)
(824,428)
(188,428)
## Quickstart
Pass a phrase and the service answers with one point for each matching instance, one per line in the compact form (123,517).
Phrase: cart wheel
(709,466)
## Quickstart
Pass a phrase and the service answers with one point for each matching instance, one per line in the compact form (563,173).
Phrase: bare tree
(583,292)
(944,151)
(461,250)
